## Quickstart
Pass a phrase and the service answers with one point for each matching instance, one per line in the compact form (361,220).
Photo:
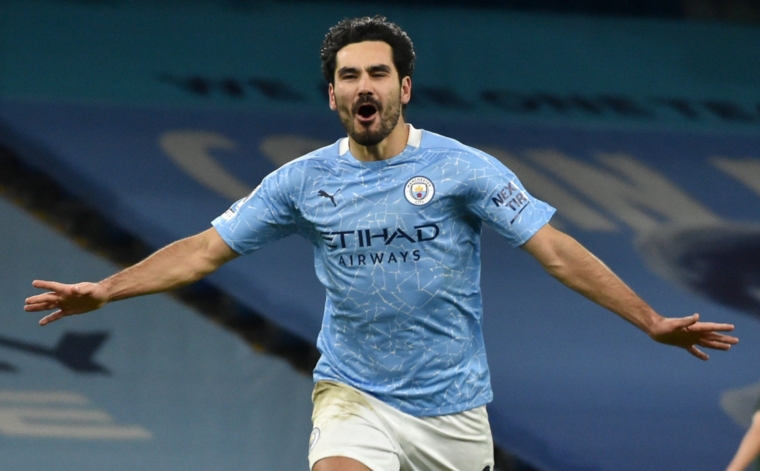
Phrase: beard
(365,136)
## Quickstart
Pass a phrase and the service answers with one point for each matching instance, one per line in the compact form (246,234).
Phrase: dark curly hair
(356,30)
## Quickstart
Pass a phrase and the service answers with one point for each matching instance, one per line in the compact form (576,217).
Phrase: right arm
(749,448)
(178,264)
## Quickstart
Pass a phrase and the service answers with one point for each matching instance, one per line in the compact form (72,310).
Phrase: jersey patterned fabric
(397,248)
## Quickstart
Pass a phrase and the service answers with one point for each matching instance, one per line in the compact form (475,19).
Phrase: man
(395,216)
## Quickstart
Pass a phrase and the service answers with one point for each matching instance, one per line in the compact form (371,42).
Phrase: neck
(389,147)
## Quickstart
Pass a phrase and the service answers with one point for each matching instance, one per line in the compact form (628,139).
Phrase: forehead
(364,54)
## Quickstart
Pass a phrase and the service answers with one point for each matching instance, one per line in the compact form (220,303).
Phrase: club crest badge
(419,191)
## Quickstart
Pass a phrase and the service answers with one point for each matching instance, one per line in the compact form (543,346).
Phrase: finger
(722,338)
(685,322)
(714,344)
(83,289)
(40,307)
(42,298)
(49,285)
(698,353)
(51,317)
(711,326)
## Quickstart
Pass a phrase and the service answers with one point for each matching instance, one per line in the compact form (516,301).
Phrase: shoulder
(318,160)
(464,156)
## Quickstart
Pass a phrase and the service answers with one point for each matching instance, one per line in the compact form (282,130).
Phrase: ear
(331,97)
(406,90)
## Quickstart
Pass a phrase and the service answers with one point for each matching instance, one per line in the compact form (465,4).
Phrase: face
(367,93)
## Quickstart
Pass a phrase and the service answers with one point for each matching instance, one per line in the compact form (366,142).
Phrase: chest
(373,209)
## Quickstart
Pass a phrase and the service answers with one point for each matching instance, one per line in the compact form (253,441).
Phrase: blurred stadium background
(125,125)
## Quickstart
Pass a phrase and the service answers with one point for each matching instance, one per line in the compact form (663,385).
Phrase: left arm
(749,448)
(572,264)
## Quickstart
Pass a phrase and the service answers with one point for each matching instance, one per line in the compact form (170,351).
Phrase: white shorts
(353,424)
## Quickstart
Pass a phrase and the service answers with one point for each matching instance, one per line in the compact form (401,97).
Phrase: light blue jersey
(397,247)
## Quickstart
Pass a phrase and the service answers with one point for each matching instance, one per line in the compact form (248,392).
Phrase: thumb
(83,289)
(687,321)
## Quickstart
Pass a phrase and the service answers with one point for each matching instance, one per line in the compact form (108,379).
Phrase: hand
(688,333)
(66,299)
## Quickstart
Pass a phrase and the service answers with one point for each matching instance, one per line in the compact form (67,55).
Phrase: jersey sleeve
(265,215)
(498,198)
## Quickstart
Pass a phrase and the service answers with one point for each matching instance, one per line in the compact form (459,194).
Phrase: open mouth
(366,112)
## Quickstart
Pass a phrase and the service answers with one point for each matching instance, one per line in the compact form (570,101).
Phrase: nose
(365,85)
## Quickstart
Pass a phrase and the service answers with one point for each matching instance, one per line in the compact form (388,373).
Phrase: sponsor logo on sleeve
(230,213)
(513,198)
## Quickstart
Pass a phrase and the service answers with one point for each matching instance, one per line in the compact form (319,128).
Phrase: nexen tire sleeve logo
(513,198)
(419,191)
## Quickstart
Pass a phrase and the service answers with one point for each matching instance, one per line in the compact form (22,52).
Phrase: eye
(347,74)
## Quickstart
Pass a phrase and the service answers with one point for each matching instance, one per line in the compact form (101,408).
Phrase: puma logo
(327,195)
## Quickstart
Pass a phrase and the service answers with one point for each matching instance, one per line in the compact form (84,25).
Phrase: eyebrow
(379,68)
(371,69)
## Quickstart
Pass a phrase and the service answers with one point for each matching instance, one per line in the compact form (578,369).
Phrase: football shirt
(397,248)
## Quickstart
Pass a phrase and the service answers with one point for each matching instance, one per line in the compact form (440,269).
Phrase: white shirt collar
(415,138)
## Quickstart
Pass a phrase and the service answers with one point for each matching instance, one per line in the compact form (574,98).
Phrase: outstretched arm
(179,263)
(572,264)
(749,448)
